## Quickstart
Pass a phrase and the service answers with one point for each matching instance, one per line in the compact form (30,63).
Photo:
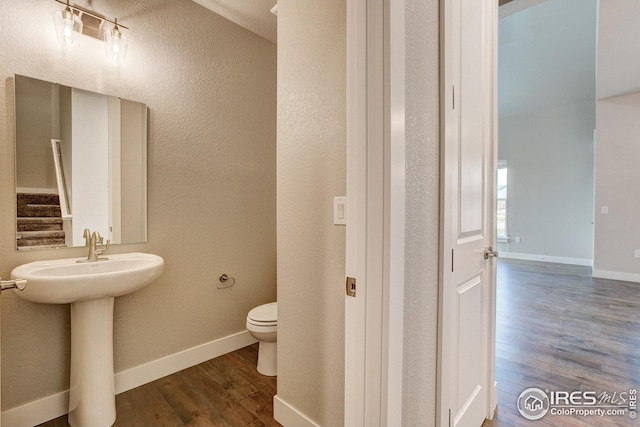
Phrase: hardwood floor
(560,329)
(225,391)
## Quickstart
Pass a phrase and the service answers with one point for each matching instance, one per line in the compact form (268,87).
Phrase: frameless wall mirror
(81,162)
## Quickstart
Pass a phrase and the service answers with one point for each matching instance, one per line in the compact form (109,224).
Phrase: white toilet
(262,323)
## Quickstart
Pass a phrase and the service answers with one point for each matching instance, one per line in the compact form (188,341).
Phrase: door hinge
(351,287)
(452,260)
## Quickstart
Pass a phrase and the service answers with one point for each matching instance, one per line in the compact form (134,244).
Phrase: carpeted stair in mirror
(39,221)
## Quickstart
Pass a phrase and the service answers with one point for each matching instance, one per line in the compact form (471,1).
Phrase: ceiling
(254,15)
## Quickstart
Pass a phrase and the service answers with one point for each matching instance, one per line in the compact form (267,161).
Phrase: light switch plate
(340,210)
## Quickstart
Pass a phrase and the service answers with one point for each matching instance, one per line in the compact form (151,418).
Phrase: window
(501,207)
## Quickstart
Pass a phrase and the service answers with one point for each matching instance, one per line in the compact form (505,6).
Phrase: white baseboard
(143,374)
(288,416)
(616,275)
(37,412)
(57,405)
(547,258)
(493,405)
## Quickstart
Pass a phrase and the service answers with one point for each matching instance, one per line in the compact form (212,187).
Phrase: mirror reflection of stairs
(39,220)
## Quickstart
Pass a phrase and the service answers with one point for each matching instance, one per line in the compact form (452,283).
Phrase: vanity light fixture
(75,20)
(68,26)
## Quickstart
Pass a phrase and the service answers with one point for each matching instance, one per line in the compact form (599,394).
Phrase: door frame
(375,194)
(376,212)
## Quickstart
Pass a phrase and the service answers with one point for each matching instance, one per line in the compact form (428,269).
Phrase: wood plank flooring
(225,391)
(560,329)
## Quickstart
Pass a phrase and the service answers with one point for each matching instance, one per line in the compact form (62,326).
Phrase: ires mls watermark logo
(534,403)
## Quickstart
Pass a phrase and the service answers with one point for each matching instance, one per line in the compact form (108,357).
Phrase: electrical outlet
(637,253)
(604,210)
(518,239)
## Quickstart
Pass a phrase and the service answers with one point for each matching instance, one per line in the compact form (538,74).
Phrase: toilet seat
(261,324)
(264,315)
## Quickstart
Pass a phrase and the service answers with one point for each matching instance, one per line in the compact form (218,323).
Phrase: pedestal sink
(90,288)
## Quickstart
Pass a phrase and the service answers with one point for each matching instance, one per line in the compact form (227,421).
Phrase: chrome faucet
(94,251)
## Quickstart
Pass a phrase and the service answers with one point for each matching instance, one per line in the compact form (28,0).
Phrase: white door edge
(450,75)
(356,230)
(491,354)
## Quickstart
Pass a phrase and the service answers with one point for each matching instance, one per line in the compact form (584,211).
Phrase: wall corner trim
(56,405)
(288,416)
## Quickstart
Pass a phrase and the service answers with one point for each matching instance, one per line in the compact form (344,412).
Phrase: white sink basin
(64,281)
(91,289)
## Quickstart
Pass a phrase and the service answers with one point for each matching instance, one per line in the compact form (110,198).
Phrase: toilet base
(268,359)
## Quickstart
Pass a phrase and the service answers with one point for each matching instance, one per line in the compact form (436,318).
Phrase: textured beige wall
(422,213)
(311,171)
(617,234)
(211,89)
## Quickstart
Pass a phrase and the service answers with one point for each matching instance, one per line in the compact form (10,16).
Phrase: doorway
(558,328)
(546,115)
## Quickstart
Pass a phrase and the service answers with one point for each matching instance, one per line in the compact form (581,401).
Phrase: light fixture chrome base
(92,22)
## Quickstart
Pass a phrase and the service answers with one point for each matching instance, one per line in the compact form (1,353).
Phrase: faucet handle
(105,248)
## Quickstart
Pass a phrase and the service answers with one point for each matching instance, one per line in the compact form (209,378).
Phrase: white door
(468,279)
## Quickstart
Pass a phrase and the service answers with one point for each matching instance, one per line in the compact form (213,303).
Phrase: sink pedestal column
(92,399)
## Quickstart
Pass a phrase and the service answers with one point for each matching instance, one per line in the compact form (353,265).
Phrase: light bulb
(116,44)
(68,27)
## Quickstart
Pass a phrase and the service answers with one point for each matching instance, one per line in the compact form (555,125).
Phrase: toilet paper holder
(224,278)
